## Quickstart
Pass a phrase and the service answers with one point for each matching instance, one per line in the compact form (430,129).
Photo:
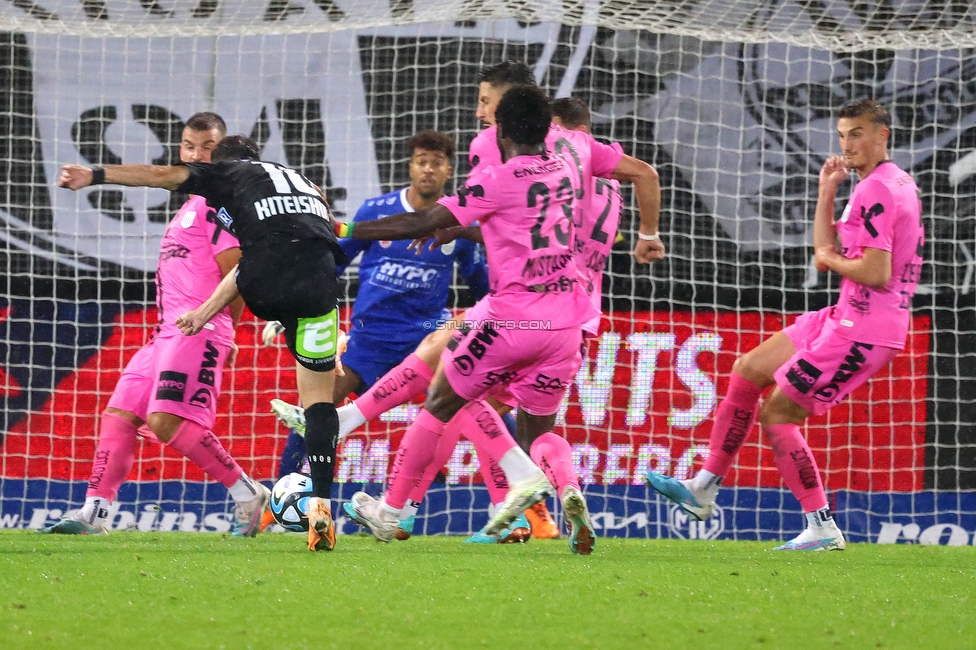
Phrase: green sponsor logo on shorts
(316,337)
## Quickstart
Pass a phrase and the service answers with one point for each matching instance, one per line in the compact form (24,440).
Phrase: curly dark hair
(524,114)
(432,141)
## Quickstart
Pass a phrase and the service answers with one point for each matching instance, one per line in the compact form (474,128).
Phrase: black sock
(321,439)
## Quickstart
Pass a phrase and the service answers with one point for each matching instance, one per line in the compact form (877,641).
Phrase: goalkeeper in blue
(403,293)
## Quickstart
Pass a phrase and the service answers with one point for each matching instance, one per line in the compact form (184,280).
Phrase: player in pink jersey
(526,211)
(595,237)
(600,214)
(816,362)
(413,375)
(599,221)
(599,218)
(172,384)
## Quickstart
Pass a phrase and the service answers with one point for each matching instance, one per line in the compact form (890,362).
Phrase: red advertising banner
(642,400)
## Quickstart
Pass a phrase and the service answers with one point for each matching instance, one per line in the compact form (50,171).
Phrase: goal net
(733,101)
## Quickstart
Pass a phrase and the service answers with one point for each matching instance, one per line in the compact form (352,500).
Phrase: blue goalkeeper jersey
(401,293)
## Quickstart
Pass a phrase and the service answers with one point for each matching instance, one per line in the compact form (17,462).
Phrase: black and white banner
(746,126)
(125,100)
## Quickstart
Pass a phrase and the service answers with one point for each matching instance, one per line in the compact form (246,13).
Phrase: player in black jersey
(286,273)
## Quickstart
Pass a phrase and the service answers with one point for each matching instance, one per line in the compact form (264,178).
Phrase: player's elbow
(167,178)
(635,170)
(880,279)
(652,175)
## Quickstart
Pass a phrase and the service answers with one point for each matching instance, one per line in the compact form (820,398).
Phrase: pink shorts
(826,367)
(174,374)
(537,366)
(501,392)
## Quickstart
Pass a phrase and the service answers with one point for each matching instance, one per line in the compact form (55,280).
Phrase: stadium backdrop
(899,458)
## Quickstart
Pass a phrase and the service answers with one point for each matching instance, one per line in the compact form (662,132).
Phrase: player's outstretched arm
(192,322)
(444,236)
(76,177)
(227,261)
(647,189)
(406,225)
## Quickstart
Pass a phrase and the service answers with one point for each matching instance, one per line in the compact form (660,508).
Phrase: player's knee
(442,402)
(433,344)
(769,415)
(164,425)
(780,409)
(348,383)
(132,418)
(744,366)
(774,439)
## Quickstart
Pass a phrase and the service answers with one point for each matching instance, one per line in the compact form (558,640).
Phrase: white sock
(518,467)
(706,483)
(820,518)
(243,490)
(350,419)
(389,512)
(409,509)
(95,511)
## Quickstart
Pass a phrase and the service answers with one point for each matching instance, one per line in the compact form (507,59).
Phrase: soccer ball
(288,501)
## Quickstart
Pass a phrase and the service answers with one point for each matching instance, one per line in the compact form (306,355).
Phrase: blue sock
(509,420)
(293,456)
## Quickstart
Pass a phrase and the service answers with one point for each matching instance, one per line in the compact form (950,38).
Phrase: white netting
(835,25)
(733,102)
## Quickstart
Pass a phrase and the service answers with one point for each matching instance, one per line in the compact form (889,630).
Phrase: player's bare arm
(76,177)
(227,261)
(192,322)
(872,270)
(443,236)
(405,225)
(647,189)
(832,174)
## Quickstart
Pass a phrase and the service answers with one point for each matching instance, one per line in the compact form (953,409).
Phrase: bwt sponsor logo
(151,519)
(935,535)
(684,526)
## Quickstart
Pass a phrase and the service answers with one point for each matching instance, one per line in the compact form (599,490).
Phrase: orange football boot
(266,519)
(541,521)
(321,528)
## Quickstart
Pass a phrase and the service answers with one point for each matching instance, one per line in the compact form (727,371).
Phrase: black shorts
(295,283)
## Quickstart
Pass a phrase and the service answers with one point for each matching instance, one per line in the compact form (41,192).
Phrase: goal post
(733,101)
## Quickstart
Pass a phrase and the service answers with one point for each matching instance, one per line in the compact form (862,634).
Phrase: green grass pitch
(194,590)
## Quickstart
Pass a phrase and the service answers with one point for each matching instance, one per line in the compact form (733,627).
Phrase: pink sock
(396,387)
(415,454)
(797,465)
(475,429)
(202,448)
(481,425)
(445,449)
(554,456)
(734,418)
(114,456)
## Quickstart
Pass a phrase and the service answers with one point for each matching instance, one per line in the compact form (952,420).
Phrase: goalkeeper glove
(271,331)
